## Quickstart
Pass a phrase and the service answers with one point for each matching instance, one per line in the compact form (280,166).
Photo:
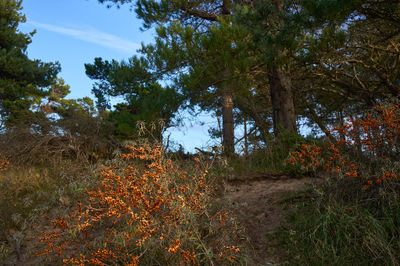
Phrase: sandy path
(257,204)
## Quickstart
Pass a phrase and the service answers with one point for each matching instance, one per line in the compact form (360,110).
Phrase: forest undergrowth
(353,218)
(138,208)
(142,208)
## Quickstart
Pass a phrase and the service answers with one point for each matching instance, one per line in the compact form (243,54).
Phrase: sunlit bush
(3,165)
(145,210)
(367,148)
(353,218)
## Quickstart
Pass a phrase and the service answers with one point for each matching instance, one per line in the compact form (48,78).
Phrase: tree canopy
(143,98)
(276,62)
(22,81)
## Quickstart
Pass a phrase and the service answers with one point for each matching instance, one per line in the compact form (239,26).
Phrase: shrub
(146,210)
(3,165)
(367,148)
(354,219)
(271,157)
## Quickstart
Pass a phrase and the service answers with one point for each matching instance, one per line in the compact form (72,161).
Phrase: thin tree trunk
(226,7)
(248,107)
(220,129)
(282,101)
(227,122)
(341,124)
(246,144)
(227,100)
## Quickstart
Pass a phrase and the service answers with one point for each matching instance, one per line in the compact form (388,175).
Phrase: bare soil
(257,204)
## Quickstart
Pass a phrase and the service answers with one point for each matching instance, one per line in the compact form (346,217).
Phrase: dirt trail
(256,202)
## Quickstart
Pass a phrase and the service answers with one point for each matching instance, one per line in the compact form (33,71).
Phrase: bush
(355,217)
(271,157)
(145,210)
(367,148)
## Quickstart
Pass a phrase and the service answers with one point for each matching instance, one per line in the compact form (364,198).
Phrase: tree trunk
(247,106)
(220,129)
(226,7)
(246,145)
(227,101)
(316,119)
(282,101)
(227,124)
(280,82)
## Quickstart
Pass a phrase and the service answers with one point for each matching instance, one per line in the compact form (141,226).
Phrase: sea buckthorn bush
(145,211)
(367,148)
(354,217)
(3,165)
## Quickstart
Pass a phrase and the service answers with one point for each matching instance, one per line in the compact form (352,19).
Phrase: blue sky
(74,32)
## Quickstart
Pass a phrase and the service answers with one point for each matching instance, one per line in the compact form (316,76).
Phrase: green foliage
(22,81)
(348,64)
(274,29)
(144,98)
(55,115)
(272,157)
(337,56)
(333,10)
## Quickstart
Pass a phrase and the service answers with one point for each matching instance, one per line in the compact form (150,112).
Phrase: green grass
(333,231)
(272,157)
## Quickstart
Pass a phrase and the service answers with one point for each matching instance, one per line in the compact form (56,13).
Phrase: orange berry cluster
(376,136)
(135,209)
(4,165)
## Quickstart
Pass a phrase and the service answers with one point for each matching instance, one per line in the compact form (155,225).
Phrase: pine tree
(308,58)
(144,98)
(351,61)
(190,46)
(275,30)
(22,80)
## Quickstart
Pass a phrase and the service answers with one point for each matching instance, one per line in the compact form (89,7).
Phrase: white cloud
(93,36)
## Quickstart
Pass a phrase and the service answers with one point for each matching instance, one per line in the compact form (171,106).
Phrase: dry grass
(30,193)
(148,211)
(137,207)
